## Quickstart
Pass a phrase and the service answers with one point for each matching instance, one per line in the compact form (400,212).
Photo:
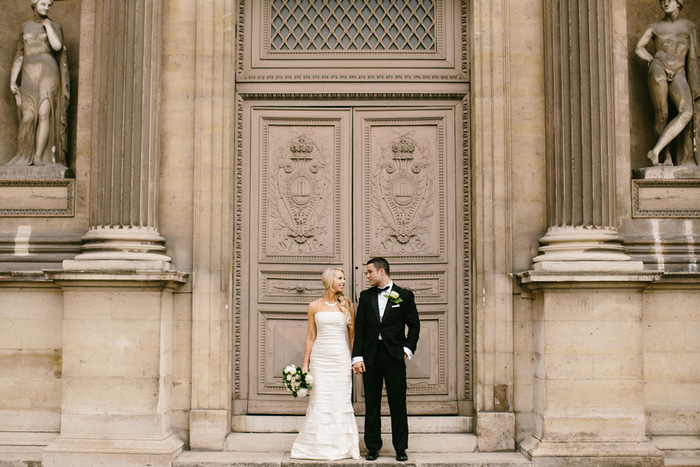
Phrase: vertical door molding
(214,235)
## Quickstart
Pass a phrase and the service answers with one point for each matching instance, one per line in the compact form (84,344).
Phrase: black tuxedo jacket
(392,326)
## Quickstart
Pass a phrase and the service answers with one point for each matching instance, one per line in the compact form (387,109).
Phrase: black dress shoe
(372,455)
(401,456)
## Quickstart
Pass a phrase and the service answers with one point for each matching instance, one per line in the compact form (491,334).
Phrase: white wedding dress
(330,430)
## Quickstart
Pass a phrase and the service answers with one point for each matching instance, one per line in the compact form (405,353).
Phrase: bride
(330,430)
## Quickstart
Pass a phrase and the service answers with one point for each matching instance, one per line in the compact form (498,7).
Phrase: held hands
(358,368)
(305,368)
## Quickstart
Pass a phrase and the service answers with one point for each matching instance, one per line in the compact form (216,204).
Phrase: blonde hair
(343,301)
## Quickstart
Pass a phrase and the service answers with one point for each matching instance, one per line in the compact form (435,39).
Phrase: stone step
(417,442)
(415,459)
(682,458)
(292,424)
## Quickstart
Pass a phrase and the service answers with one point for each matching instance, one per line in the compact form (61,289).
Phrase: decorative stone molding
(666,198)
(45,198)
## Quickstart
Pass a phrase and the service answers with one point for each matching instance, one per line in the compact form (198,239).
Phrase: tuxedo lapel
(375,302)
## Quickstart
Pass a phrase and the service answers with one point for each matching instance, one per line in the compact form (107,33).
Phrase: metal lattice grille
(349,25)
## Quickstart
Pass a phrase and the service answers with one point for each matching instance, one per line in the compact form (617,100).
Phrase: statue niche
(674,87)
(40,83)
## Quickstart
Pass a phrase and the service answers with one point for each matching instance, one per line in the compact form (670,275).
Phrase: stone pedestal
(589,370)
(117,369)
(495,431)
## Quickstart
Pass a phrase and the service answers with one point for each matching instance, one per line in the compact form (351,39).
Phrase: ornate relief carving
(289,287)
(404,192)
(428,287)
(298,192)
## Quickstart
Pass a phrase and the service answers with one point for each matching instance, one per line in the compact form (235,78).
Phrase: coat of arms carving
(405,182)
(299,201)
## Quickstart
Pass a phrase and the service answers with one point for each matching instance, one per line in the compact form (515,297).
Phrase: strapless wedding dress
(330,430)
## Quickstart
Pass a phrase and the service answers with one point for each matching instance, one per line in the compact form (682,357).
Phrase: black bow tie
(384,289)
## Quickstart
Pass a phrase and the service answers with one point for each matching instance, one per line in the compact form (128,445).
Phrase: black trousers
(391,371)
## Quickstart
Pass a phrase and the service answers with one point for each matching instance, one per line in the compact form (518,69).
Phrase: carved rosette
(405,182)
(299,197)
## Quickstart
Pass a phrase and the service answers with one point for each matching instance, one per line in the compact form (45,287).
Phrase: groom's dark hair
(380,263)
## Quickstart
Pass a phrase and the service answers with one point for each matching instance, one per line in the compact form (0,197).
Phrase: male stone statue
(673,76)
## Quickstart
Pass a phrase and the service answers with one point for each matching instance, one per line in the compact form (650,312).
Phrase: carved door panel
(405,204)
(336,187)
(300,224)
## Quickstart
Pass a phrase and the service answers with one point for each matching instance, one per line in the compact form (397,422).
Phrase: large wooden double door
(334,187)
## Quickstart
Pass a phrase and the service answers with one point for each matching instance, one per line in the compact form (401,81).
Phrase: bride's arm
(310,338)
(351,327)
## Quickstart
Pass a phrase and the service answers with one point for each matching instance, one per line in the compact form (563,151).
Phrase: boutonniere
(393,297)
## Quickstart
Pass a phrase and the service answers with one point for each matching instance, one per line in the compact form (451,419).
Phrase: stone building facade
(224,152)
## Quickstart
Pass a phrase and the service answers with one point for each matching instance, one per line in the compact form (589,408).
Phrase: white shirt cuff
(357,359)
(408,352)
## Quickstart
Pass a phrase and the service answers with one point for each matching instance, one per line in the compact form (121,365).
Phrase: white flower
(289,377)
(302,392)
(309,379)
(394,295)
(290,369)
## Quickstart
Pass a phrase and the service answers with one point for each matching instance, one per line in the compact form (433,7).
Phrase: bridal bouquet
(298,382)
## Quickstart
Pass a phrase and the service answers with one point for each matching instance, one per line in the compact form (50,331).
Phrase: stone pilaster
(580,140)
(495,419)
(124,191)
(214,356)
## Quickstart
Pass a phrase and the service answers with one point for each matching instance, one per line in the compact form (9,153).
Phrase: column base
(69,452)
(130,244)
(208,429)
(495,431)
(583,249)
(601,453)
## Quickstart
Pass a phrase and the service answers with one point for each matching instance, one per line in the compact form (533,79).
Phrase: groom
(379,352)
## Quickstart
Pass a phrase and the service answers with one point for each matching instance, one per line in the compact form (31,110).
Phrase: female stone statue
(39,81)
(673,75)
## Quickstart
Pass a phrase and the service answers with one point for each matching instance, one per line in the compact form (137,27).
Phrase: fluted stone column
(117,353)
(588,332)
(124,194)
(580,140)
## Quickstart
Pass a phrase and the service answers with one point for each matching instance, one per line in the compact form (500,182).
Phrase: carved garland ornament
(405,183)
